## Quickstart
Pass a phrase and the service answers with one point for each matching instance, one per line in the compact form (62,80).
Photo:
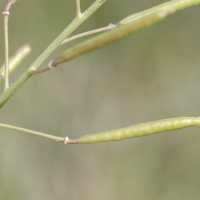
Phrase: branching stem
(51,64)
(50,49)
(150,16)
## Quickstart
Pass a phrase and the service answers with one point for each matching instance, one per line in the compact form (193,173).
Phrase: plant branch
(132,23)
(78,9)
(52,137)
(6,15)
(109,27)
(52,47)
(50,66)
(15,61)
(6,84)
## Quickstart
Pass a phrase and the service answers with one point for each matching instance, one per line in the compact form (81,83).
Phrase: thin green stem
(78,9)
(6,15)
(6,83)
(52,47)
(72,26)
(56,138)
(39,71)
(109,27)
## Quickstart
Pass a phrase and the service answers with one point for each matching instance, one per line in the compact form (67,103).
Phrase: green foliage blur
(151,75)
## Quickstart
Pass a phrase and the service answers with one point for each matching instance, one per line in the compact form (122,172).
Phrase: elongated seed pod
(138,130)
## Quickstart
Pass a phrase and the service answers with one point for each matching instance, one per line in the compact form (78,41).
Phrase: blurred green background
(151,75)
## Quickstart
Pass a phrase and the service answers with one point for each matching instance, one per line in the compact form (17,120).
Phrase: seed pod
(138,130)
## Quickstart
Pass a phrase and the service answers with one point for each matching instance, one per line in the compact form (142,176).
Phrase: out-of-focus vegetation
(151,75)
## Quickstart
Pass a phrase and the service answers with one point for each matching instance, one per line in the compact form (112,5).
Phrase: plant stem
(124,30)
(6,15)
(50,66)
(6,83)
(78,9)
(52,47)
(56,138)
(109,27)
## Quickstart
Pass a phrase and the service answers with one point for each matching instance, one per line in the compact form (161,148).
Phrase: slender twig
(52,47)
(6,15)
(52,137)
(6,84)
(131,25)
(15,61)
(109,27)
(39,71)
(78,9)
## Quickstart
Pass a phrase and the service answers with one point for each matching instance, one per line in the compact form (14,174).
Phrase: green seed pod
(138,130)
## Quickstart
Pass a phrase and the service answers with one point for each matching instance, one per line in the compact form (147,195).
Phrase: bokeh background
(151,75)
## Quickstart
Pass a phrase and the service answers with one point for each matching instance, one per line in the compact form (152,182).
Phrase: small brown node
(112,26)
(51,64)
